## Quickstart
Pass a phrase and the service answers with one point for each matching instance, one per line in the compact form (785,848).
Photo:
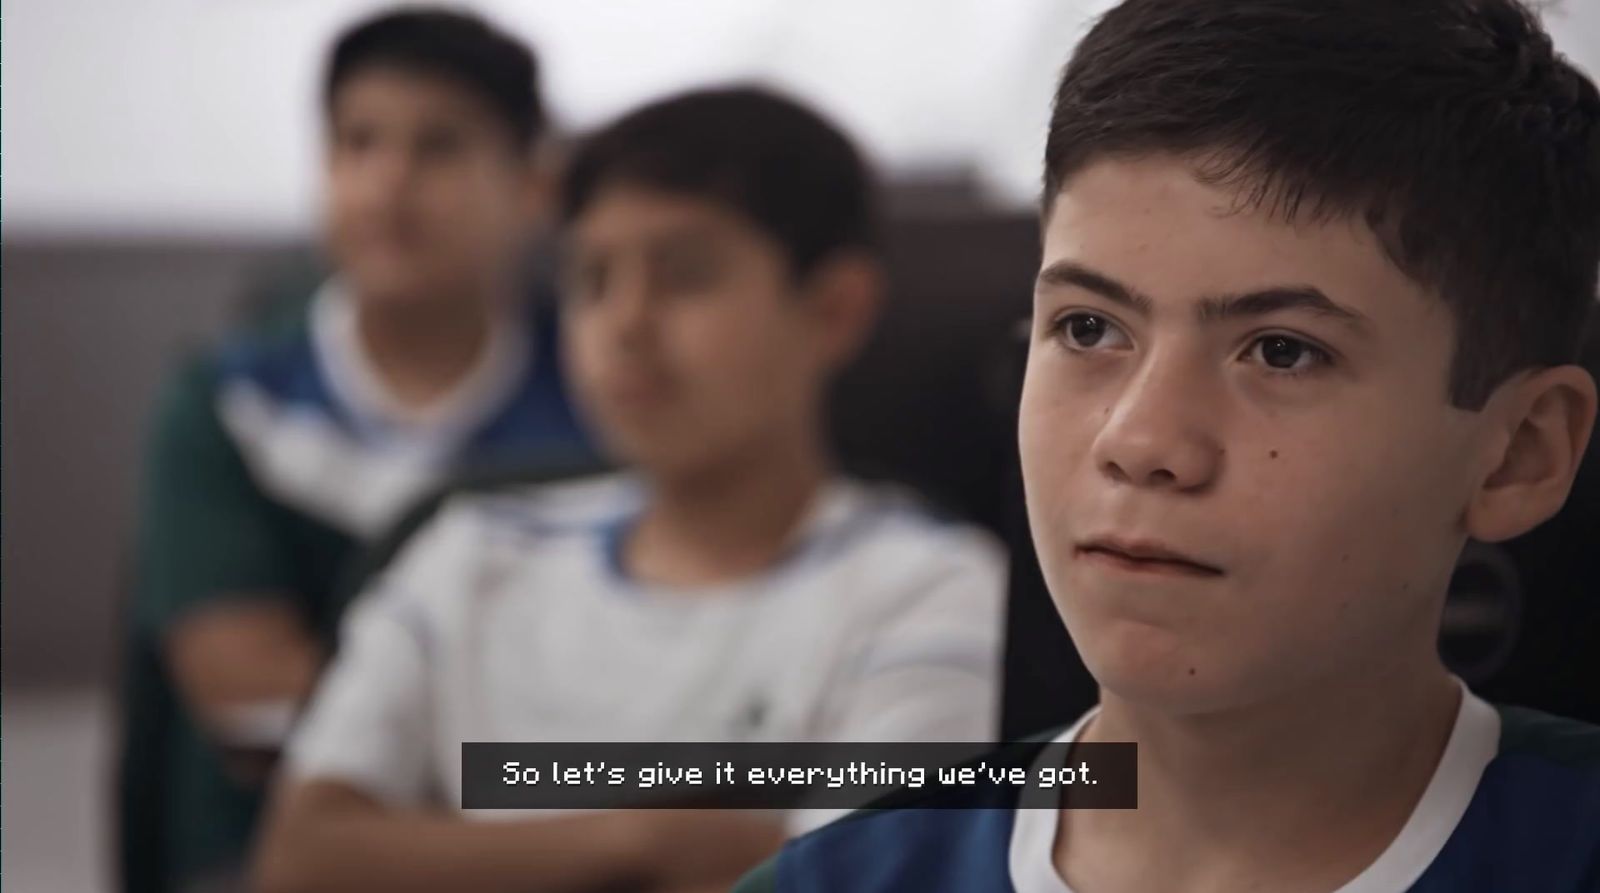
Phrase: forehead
(1154,226)
(628,215)
(394,92)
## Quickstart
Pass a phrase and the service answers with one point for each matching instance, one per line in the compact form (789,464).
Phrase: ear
(1542,425)
(845,294)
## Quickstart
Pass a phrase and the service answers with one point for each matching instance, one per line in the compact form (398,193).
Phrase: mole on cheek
(1191,671)
(1273,454)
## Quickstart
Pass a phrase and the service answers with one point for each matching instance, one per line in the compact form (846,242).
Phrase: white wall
(200,115)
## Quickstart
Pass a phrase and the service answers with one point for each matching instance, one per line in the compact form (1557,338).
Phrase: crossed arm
(328,836)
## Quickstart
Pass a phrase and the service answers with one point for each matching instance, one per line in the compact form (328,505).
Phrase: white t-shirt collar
(443,425)
(835,503)
(1474,741)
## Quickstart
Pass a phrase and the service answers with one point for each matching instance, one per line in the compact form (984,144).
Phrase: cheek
(1055,426)
(1313,529)
(1037,421)
(1352,536)
(455,208)
(463,209)
(712,365)
(744,349)
(340,214)
(580,361)
(344,185)
(1379,497)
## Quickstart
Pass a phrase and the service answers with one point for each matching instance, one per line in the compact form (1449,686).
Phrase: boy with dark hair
(277,456)
(1313,280)
(730,587)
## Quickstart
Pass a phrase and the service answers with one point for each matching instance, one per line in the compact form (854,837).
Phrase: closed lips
(1150,553)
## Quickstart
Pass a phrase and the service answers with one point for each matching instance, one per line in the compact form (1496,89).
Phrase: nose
(1160,432)
(382,177)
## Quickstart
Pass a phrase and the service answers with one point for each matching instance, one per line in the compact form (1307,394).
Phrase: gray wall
(89,331)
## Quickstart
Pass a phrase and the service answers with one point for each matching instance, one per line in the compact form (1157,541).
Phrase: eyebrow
(1212,308)
(687,239)
(690,238)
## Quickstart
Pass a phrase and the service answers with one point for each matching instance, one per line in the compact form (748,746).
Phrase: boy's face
(428,195)
(687,339)
(1268,402)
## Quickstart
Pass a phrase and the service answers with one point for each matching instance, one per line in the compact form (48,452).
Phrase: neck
(1233,796)
(421,350)
(729,520)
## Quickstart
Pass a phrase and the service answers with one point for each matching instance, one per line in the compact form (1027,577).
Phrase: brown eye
(583,282)
(1287,354)
(1282,353)
(684,274)
(1088,331)
(354,140)
(440,144)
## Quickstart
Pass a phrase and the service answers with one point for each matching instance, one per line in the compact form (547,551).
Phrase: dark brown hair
(780,165)
(1451,127)
(456,46)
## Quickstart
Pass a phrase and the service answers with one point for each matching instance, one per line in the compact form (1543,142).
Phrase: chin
(1159,668)
(1167,693)
(397,280)
(386,290)
(649,451)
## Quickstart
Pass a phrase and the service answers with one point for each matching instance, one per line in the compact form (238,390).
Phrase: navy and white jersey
(319,431)
(274,460)
(1513,807)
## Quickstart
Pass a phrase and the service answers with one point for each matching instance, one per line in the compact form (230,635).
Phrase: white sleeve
(930,669)
(369,724)
(372,722)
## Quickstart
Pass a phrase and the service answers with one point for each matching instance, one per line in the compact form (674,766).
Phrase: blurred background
(162,160)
